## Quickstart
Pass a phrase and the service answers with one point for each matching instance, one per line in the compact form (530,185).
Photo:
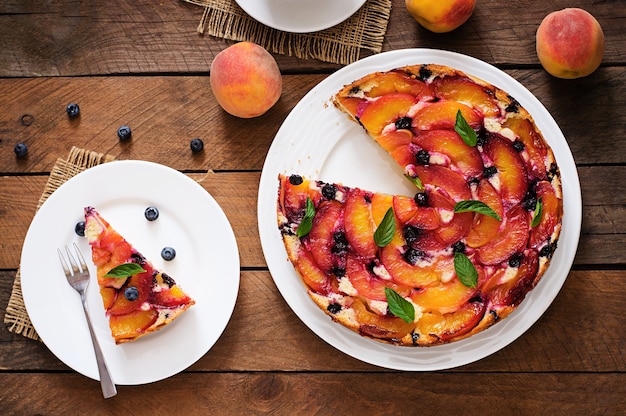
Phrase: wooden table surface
(142,63)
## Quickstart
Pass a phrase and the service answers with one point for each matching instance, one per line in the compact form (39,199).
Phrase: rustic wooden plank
(322,394)
(582,331)
(602,240)
(120,37)
(165,113)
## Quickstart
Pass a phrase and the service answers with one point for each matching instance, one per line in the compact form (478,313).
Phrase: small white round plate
(206,266)
(320,142)
(300,16)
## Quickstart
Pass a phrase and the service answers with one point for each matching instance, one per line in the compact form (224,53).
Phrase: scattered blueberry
(518,146)
(168,253)
(516,260)
(20,150)
(404,123)
(333,308)
(412,255)
(151,213)
(411,233)
(79,228)
(458,247)
(329,191)
(131,293)
(196,145)
(124,133)
(72,110)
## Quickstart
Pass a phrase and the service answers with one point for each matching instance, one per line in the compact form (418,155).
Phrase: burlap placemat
(16,318)
(340,44)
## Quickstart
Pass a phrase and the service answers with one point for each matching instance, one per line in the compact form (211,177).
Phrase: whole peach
(440,16)
(245,80)
(570,43)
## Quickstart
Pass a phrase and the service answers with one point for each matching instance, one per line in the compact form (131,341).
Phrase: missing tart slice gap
(138,298)
(459,255)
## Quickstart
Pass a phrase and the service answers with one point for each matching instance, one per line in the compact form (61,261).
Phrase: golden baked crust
(412,112)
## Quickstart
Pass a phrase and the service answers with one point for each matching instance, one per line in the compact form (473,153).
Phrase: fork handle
(106,383)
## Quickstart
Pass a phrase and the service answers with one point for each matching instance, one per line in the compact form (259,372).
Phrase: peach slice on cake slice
(442,115)
(358,223)
(379,326)
(447,142)
(484,227)
(454,226)
(511,169)
(445,326)
(320,238)
(467,91)
(170,297)
(385,110)
(293,194)
(512,237)
(129,325)
(551,211)
(142,282)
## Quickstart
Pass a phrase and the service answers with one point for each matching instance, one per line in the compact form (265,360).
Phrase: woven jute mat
(16,318)
(340,44)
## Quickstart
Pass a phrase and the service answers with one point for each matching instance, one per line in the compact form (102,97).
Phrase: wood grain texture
(323,394)
(122,37)
(265,335)
(165,113)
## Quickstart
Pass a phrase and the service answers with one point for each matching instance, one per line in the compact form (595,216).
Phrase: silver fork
(78,278)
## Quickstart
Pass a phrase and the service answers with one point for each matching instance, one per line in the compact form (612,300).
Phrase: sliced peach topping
(398,82)
(293,194)
(454,226)
(513,291)
(484,227)
(392,140)
(447,142)
(533,144)
(443,297)
(552,210)
(367,283)
(405,273)
(129,325)
(108,296)
(454,324)
(512,237)
(443,178)
(511,168)
(404,155)
(386,110)
(378,326)
(442,115)
(320,238)
(409,213)
(312,275)
(467,91)
(353,105)
(359,224)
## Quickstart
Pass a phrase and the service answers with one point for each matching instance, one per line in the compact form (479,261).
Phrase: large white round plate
(300,16)
(206,266)
(319,141)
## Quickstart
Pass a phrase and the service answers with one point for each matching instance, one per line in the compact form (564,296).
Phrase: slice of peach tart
(138,298)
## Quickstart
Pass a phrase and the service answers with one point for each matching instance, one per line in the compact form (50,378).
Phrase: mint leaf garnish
(387,227)
(307,222)
(399,306)
(465,270)
(416,181)
(537,214)
(476,206)
(125,270)
(465,131)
